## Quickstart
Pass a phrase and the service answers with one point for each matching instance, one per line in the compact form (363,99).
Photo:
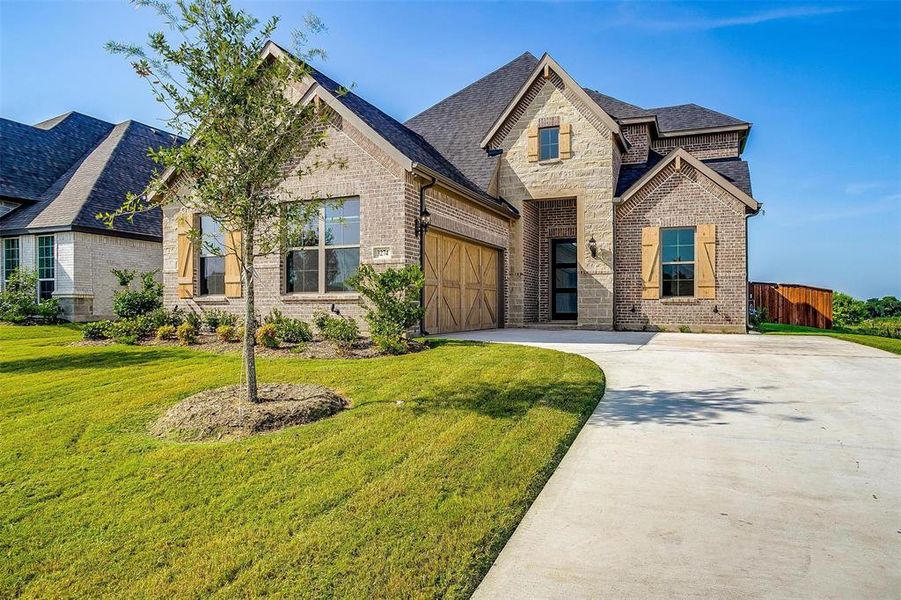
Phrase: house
(527,199)
(55,177)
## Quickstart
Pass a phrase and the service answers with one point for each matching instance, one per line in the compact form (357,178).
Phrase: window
(46,266)
(325,252)
(212,257)
(10,257)
(677,250)
(548,143)
(7,207)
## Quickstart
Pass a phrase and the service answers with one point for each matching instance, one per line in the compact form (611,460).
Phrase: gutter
(498,206)
(422,189)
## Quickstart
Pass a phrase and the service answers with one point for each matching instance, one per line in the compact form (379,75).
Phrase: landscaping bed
(411,491)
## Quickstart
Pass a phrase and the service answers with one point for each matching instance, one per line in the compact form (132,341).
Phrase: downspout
(421,231)
(747,265)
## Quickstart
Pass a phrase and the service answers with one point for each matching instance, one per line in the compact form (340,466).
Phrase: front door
(564,279)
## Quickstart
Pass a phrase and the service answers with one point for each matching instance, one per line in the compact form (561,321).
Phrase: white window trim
(321,249)
(3,258)
(37,262)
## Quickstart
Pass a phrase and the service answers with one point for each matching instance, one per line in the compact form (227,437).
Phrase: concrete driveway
(718,466)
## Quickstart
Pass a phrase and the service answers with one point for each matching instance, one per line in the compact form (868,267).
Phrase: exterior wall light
(423,222)
(593,247)
(716,309)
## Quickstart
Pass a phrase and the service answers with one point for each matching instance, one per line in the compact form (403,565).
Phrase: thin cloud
(701,22)
(850,210)
(856,189)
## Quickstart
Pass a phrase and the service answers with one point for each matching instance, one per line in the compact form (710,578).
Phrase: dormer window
(549,143)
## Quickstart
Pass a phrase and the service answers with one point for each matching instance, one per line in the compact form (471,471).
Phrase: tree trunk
(250,365)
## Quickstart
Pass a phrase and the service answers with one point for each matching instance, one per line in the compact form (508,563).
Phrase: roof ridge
(477,81)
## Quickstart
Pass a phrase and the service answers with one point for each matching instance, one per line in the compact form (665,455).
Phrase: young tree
(247,131)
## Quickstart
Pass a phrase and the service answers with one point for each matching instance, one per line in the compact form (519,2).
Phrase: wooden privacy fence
(793,304)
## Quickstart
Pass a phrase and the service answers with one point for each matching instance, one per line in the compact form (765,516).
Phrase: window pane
(677,245)
(301,234)
(45,289)
(45,257)
(566,277)
(342,223)
(564,252)
(302,271)
(678,280)
(212,237)
(565,302)
(548,143)
(340,263)
(10,256)
(212,275)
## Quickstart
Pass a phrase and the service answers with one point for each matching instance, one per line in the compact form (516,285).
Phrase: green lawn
(384,500)
(875,341)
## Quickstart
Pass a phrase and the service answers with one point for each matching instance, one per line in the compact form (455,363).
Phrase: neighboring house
(54,178)
(547,203)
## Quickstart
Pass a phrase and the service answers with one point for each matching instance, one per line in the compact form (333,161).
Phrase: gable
(549,71)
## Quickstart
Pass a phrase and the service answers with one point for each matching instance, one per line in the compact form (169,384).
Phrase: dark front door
(564,279)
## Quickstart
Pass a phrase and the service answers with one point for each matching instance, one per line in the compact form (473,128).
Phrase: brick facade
(726,144)
(682,199)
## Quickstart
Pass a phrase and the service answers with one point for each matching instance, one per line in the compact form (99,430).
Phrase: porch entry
(564,278)
(462,284)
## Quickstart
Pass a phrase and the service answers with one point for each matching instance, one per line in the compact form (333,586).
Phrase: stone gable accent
(587,177)
(685,198)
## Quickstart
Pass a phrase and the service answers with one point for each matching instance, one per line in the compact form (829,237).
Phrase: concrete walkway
(718,466)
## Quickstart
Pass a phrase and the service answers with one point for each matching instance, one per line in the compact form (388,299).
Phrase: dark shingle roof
(407,141)
(691,116)
(734,170)
(33,157)
(456,125)
(96,181)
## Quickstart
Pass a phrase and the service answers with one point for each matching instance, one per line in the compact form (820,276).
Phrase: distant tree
(887,306)
(847,311)
(247,130)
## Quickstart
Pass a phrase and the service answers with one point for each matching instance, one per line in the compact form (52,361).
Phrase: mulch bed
(225,413)
(315,349)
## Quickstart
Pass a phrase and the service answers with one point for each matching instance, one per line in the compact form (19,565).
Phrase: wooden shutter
(185,256)
(705,249)
(565,143)
(533,144)
(232,265)
(650,263)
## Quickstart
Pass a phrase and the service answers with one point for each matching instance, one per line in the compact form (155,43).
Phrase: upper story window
(10,257)
(677,249)
(7,207)
(46,266)
(325,252)
(548,143)
(212,257)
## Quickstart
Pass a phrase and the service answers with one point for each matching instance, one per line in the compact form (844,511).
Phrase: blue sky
(820,82)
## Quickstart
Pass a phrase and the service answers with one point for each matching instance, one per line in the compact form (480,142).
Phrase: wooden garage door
(461,285)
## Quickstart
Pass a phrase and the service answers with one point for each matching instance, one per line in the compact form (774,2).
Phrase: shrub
(161,316)
(129,304)
(266,336)
(18,301)
(393,303)
(127,331)
(226,333)
(98,330)
(215,317)
(48,310)
(684,329)
(342,332)
(186,333)
(884,327)
(193,319)
(289,330)
(165,332)
(759,316)
(847,311)
(320,318)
